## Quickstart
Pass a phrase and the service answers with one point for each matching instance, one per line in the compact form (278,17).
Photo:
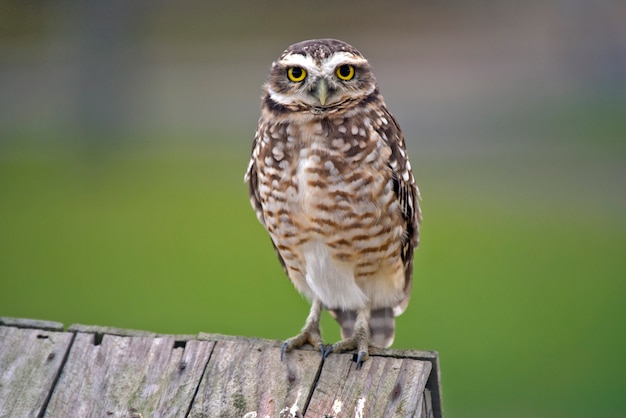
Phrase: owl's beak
(321,91)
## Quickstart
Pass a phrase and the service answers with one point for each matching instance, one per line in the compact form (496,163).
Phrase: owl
(330,180)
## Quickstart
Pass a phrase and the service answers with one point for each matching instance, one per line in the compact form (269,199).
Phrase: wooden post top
(91,371)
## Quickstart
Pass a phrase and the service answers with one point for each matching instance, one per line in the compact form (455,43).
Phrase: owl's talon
(301,339)
(363,355)
(326,351)
(359,341)
(310,334)
(322,348)
(285,347)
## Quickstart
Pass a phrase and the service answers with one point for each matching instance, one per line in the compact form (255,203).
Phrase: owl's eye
(296,74)
(345,72)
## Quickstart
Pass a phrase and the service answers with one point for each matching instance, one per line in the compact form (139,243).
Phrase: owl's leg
(359,340)
(310,333)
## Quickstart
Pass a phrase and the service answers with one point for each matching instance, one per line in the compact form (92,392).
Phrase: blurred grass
(523,298)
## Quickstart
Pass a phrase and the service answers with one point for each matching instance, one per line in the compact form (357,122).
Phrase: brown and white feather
(333,187)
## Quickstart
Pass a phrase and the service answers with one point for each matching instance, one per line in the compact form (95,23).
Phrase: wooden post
(90,371)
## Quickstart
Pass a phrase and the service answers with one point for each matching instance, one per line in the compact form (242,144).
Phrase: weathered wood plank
(383,387)
(433,385)
(99,330)
(126,376)
(246,378)
(113,372)
(427,408)
(31,323)
(30,361)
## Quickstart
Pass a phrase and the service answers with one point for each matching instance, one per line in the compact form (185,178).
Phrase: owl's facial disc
(318,83)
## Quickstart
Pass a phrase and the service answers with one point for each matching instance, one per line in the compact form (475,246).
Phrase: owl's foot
(359,340)
(309,334)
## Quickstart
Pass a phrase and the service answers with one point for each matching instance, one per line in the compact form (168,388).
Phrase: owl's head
(319,76)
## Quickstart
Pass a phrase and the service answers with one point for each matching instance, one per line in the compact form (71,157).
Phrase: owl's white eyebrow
(297,60)
(328,65)
(339,58)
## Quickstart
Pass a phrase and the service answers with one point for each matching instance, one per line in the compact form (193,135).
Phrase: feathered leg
(310,333)
(359,340)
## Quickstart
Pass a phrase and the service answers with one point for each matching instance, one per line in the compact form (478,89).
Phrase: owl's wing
(251,177)
(408,196)
(382,323)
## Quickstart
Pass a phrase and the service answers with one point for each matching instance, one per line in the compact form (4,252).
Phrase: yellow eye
(296,74)
(345,72)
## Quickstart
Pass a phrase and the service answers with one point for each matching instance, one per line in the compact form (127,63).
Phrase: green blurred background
(125,130)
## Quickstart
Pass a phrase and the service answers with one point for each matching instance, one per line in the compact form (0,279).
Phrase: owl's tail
(382,325)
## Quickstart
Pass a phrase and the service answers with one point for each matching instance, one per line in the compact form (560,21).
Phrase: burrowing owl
(331,182)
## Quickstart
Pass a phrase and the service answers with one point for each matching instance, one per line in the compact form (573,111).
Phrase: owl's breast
(333,215)
(334,193)
(342,177)
(351,222)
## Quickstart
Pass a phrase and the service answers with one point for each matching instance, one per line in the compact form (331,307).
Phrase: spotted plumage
(330,180)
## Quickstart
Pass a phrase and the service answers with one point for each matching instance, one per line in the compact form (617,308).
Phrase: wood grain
(31,323)
(383,387)
(30,361)
(127,376)
(92,371)
(246,378)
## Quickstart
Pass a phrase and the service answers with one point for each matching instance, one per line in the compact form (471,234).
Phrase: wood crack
(66,355)
(56,373)
(313,386)
(199,383)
